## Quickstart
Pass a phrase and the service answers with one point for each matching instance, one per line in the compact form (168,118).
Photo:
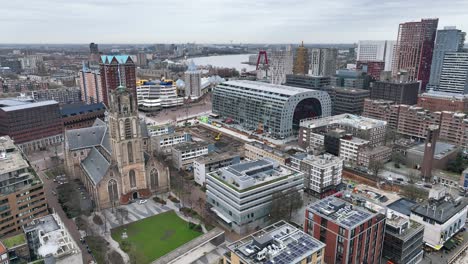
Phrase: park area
(153,237)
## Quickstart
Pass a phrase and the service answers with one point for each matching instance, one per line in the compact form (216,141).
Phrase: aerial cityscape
(268,142)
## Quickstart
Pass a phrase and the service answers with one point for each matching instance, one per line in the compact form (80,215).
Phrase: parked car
(143,201)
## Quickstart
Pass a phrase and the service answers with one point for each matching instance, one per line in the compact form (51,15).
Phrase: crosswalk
(135,212)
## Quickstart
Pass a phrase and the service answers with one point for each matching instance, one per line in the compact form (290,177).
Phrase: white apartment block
(377,50)
(255,150)
(162,144)
(454,74)
(321,173)
(349,148)
(184,154)
(280,63)
(209,163)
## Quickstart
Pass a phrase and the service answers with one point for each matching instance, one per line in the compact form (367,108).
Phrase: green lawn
(154,236)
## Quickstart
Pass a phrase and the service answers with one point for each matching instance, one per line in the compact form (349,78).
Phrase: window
(130,152)
(128,129)
(131,175)
(154,178)
(112,190)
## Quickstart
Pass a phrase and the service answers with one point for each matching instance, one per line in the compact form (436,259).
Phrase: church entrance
(135,195)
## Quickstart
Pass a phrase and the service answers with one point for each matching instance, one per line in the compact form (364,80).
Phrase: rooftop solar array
(341,212)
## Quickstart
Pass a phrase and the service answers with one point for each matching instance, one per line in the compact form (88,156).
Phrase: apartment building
(350,147)
(61,95)
(278,243)
(322,174)
(307,81)
(379,153)
(382,110)
(241,194)
(398,92)
(255,150)
(443,101)
(352,233)
(212,162)
(22,195)
(163,143)
(184,154)
(347,100)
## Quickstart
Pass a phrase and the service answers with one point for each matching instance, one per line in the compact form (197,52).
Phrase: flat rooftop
(402,205)
(191,145)
(341,212)
(267,148)
(350,120)
(282,243)
(356,140)
(440,211)
(11,158)
(442,149)
(322,161)
(20,105)
(403,228)
(45,224)
(215,157)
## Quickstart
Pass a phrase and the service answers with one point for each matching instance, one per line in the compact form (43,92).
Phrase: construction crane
(218,137)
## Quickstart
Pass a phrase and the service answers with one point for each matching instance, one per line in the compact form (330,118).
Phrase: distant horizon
(218,21)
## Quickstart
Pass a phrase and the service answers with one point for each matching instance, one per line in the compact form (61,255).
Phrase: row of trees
(284,204)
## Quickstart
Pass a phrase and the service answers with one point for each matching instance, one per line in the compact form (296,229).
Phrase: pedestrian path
(135,211)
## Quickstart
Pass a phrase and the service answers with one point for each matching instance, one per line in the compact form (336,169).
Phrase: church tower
(127,145)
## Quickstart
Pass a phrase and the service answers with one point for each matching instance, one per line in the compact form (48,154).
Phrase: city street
(41,161)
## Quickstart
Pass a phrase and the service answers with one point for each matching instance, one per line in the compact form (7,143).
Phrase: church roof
(85,137)
(105,143)
(99,122)
(95,165)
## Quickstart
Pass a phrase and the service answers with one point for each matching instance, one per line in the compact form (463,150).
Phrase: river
(228,61)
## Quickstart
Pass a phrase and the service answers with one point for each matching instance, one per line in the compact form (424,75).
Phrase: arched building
(275,109)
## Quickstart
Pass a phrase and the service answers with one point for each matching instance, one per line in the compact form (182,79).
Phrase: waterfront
(228,61)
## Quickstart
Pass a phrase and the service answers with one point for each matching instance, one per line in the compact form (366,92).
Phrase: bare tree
(375,166)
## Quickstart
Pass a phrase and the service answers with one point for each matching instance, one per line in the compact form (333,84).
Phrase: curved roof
(268,87)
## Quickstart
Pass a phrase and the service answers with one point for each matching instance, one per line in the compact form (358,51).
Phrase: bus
(214,115)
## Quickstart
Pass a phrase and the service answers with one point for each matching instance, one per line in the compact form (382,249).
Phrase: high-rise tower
(414,48)
(301,61)
(116,69)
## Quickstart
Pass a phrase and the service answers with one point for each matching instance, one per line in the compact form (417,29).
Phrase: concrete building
(112,158)
(454,73)
(32,125)
(448,39)
(464,180)
(442,218)
(61,95)
(352,234)
(81,115)
(382,110)
(371,50)
(156,95)
(414,49)
(400,93)
(255,150)
(350,147)
(212,162)
(347,100)
(30,62)
(116,71)
(279,243)
(49,240)
(356,79)
(163,143)
(443,101)
(184,154)
(322,174)
(369,129)
(307,81)
(373,69)
(192,79)
(22,195)
(301,60)
(323,62)
(158,130)
(280,64)
(379,153)
(91,87)
(142,61)
(403,239)
(241,194)
(277,109)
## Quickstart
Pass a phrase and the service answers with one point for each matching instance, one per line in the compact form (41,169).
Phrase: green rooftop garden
(14,241)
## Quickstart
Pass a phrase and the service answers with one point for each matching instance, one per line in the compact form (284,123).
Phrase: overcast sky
(217,21)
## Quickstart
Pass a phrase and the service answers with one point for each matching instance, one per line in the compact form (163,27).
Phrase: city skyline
(265,21)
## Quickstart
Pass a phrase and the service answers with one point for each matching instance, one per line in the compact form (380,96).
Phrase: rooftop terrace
(350,120)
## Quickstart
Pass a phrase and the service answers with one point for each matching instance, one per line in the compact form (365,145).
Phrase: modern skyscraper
(93,48)
(448,39)
(390,55)
(301,61)
(323,62)
(280,63)
(454,74)
(192,81)
(117,70)
(376,50)
(415,45)
(141,59)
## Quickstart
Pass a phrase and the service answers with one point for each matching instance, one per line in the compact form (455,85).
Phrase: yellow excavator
(218,137)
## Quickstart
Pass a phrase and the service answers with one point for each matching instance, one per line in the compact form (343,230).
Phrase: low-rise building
(443,153)
(163,144)
(347,100)
(184,154)
(322,174)
(241,194)
(160,130)
(442,217)
(279,243)
(443,101)
(3,254)
(212,162)
(399,92)
(380,153)
(350,147)
(49,239)
(307,81)
(255,150)
(464,180)
(22,195)
(17,248)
